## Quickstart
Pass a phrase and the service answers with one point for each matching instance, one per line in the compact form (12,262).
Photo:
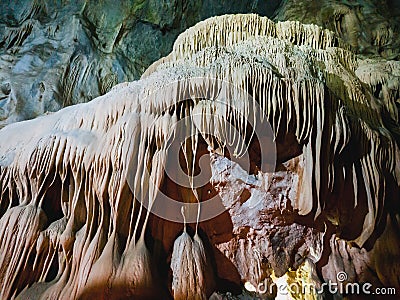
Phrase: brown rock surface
(77,186)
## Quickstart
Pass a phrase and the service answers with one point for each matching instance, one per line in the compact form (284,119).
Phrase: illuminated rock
(70,225)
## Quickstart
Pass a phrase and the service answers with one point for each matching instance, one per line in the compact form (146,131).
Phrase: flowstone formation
(77,186)
(58,53)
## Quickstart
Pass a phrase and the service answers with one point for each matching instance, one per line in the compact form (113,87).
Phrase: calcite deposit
(77,186)
(59,53)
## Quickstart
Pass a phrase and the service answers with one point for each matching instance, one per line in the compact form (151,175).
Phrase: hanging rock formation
(76,186)
(59,53)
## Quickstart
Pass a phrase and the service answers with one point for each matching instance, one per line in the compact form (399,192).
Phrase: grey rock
(58,53)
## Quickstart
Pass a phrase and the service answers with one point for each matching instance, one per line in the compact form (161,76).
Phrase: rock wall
(77,186)
(371,28)
(57,53)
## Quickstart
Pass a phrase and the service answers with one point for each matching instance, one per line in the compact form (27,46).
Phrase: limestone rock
(370,27)
(58,53)
(84,179)
(55,55)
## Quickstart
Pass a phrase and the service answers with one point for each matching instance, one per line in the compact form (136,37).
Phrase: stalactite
(300,74)
(189,266)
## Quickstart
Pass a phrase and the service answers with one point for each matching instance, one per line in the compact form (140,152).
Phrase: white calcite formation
(73,184)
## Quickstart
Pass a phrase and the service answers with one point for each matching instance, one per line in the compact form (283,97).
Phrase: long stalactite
(70,224)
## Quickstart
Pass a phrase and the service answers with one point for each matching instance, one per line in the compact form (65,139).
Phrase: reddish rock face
(97,202)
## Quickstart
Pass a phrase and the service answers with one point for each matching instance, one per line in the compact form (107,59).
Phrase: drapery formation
(70,225)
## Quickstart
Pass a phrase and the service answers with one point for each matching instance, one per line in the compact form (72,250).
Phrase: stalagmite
(77,186)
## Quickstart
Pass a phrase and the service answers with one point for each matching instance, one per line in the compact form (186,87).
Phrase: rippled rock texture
(57,53)
(76,185)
